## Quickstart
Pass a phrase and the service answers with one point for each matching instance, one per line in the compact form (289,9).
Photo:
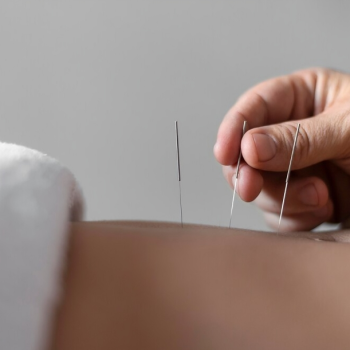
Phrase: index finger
(273,101)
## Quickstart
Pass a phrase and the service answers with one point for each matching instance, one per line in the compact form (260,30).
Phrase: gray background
(99,84)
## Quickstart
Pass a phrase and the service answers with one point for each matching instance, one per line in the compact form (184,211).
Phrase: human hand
(319,186)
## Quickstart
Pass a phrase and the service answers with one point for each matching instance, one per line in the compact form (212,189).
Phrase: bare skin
(149,285)
(319,100)
(137,285)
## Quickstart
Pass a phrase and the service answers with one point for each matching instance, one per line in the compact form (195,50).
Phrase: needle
(288,174)
(178,167)
(236,177)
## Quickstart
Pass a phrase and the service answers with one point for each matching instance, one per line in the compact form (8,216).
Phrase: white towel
(38,198)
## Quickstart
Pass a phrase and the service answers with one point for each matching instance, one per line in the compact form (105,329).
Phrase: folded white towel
(38,198)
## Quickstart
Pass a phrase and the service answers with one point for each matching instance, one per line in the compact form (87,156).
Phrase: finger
(273,101)
(250,181)
(300,222)
(303,195)
(320,138)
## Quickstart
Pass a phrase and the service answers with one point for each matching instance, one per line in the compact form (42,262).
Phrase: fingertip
(228,172)
(228,142)
(249,151)
(216,151)
(225,152)
(219,154)
(250,183)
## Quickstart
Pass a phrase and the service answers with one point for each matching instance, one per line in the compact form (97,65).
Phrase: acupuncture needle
(288,174)
(236,177)
(178,166)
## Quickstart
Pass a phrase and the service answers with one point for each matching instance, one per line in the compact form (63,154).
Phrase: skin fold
(153,285)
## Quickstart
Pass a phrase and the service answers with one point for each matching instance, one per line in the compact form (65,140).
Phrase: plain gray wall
(98,85)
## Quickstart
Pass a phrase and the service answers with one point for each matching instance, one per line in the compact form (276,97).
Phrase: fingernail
(321,213)
(308,195)
(265,147)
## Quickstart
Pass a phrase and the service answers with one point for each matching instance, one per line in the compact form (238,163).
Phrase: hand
(319,186)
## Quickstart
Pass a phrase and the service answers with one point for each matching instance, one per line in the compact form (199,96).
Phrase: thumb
(320,138)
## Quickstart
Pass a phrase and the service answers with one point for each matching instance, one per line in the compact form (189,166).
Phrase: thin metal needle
(178,167)
(288,174)
(236,177)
